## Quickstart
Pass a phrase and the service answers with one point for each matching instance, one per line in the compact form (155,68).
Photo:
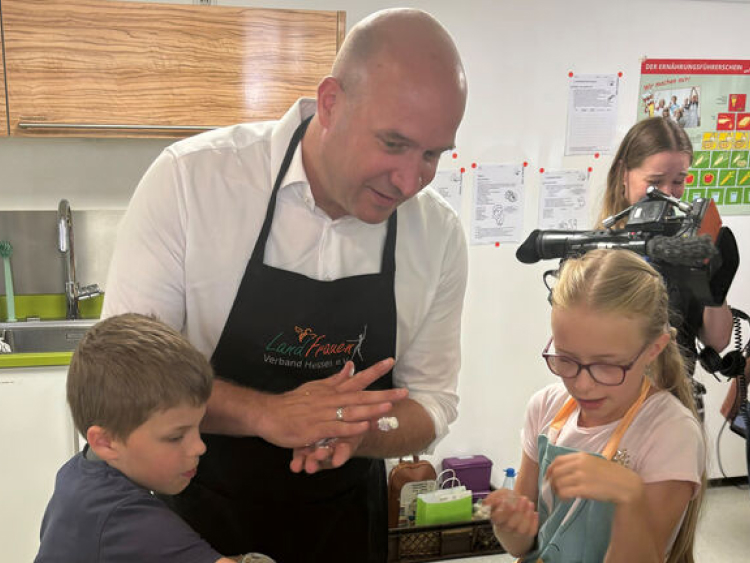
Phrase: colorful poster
(709,98)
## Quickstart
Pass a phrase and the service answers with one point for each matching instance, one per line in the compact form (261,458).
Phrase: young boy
(138,391)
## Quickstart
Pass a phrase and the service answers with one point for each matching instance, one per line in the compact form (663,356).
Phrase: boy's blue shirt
(98,515)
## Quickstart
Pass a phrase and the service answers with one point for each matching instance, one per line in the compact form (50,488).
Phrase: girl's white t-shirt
(663,443)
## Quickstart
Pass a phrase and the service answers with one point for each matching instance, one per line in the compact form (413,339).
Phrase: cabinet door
(3,106)
(37,437)
(107,68)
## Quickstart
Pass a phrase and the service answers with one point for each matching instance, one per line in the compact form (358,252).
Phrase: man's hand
(328,455)
(335,407)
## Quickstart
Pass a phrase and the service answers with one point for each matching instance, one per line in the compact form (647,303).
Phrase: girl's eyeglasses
(603,373)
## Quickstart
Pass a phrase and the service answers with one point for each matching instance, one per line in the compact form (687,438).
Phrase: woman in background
(658,152)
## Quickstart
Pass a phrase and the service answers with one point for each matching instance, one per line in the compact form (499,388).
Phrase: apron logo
(309,350)
(358,348)
(303,333)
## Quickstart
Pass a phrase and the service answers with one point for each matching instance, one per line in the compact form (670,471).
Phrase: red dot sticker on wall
(473,164)
(541,170)
(619,74)
(497,244)
(591,169)
(525,164)
(455,155)
(596,155)
(570,74)
(463,170)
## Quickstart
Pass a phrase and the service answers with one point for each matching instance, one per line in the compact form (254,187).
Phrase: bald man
(291,253)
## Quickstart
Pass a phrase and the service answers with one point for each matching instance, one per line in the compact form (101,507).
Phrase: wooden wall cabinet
(103,68)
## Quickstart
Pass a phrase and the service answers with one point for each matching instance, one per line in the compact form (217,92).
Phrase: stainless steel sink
(44,336)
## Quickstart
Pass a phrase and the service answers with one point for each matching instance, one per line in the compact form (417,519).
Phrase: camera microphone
(692,251)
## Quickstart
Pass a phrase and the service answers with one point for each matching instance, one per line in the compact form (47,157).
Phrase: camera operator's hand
(716,331)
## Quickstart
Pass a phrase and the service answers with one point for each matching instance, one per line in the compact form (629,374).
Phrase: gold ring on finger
(340,414)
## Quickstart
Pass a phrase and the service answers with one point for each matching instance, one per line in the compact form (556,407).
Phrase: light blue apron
(576,530)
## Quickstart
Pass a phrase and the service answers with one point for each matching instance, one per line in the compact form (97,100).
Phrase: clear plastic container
(510,479)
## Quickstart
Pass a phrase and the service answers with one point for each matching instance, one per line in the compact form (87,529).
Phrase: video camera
(686,242)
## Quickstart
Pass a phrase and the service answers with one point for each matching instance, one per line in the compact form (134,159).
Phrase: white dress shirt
(192,223)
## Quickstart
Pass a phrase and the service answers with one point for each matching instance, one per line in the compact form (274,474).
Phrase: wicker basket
(437,543)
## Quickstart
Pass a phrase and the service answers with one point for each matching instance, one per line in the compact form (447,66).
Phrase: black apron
(285,329)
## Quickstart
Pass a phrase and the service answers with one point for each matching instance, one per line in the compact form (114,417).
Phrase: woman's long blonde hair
(620,281)
(644,139)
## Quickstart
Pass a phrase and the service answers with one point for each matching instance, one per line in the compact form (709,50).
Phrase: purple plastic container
(472,470)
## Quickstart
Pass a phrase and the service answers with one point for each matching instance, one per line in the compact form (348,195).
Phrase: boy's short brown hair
(128,367)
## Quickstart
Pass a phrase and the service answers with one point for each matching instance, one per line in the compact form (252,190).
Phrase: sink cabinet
(37,437)
(103,68)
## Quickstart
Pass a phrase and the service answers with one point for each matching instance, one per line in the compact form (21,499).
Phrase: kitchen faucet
(73,292)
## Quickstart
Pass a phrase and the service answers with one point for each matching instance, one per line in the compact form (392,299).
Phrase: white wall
(517,55)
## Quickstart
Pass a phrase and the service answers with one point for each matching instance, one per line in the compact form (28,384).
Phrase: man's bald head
(392,106)
(410,39)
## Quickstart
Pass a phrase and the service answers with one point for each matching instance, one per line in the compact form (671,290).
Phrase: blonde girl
(613,465)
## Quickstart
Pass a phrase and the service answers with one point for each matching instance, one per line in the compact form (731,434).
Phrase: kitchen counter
(34,360)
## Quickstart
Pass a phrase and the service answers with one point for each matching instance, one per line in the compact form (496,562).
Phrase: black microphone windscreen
(682,251)
(528,252)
